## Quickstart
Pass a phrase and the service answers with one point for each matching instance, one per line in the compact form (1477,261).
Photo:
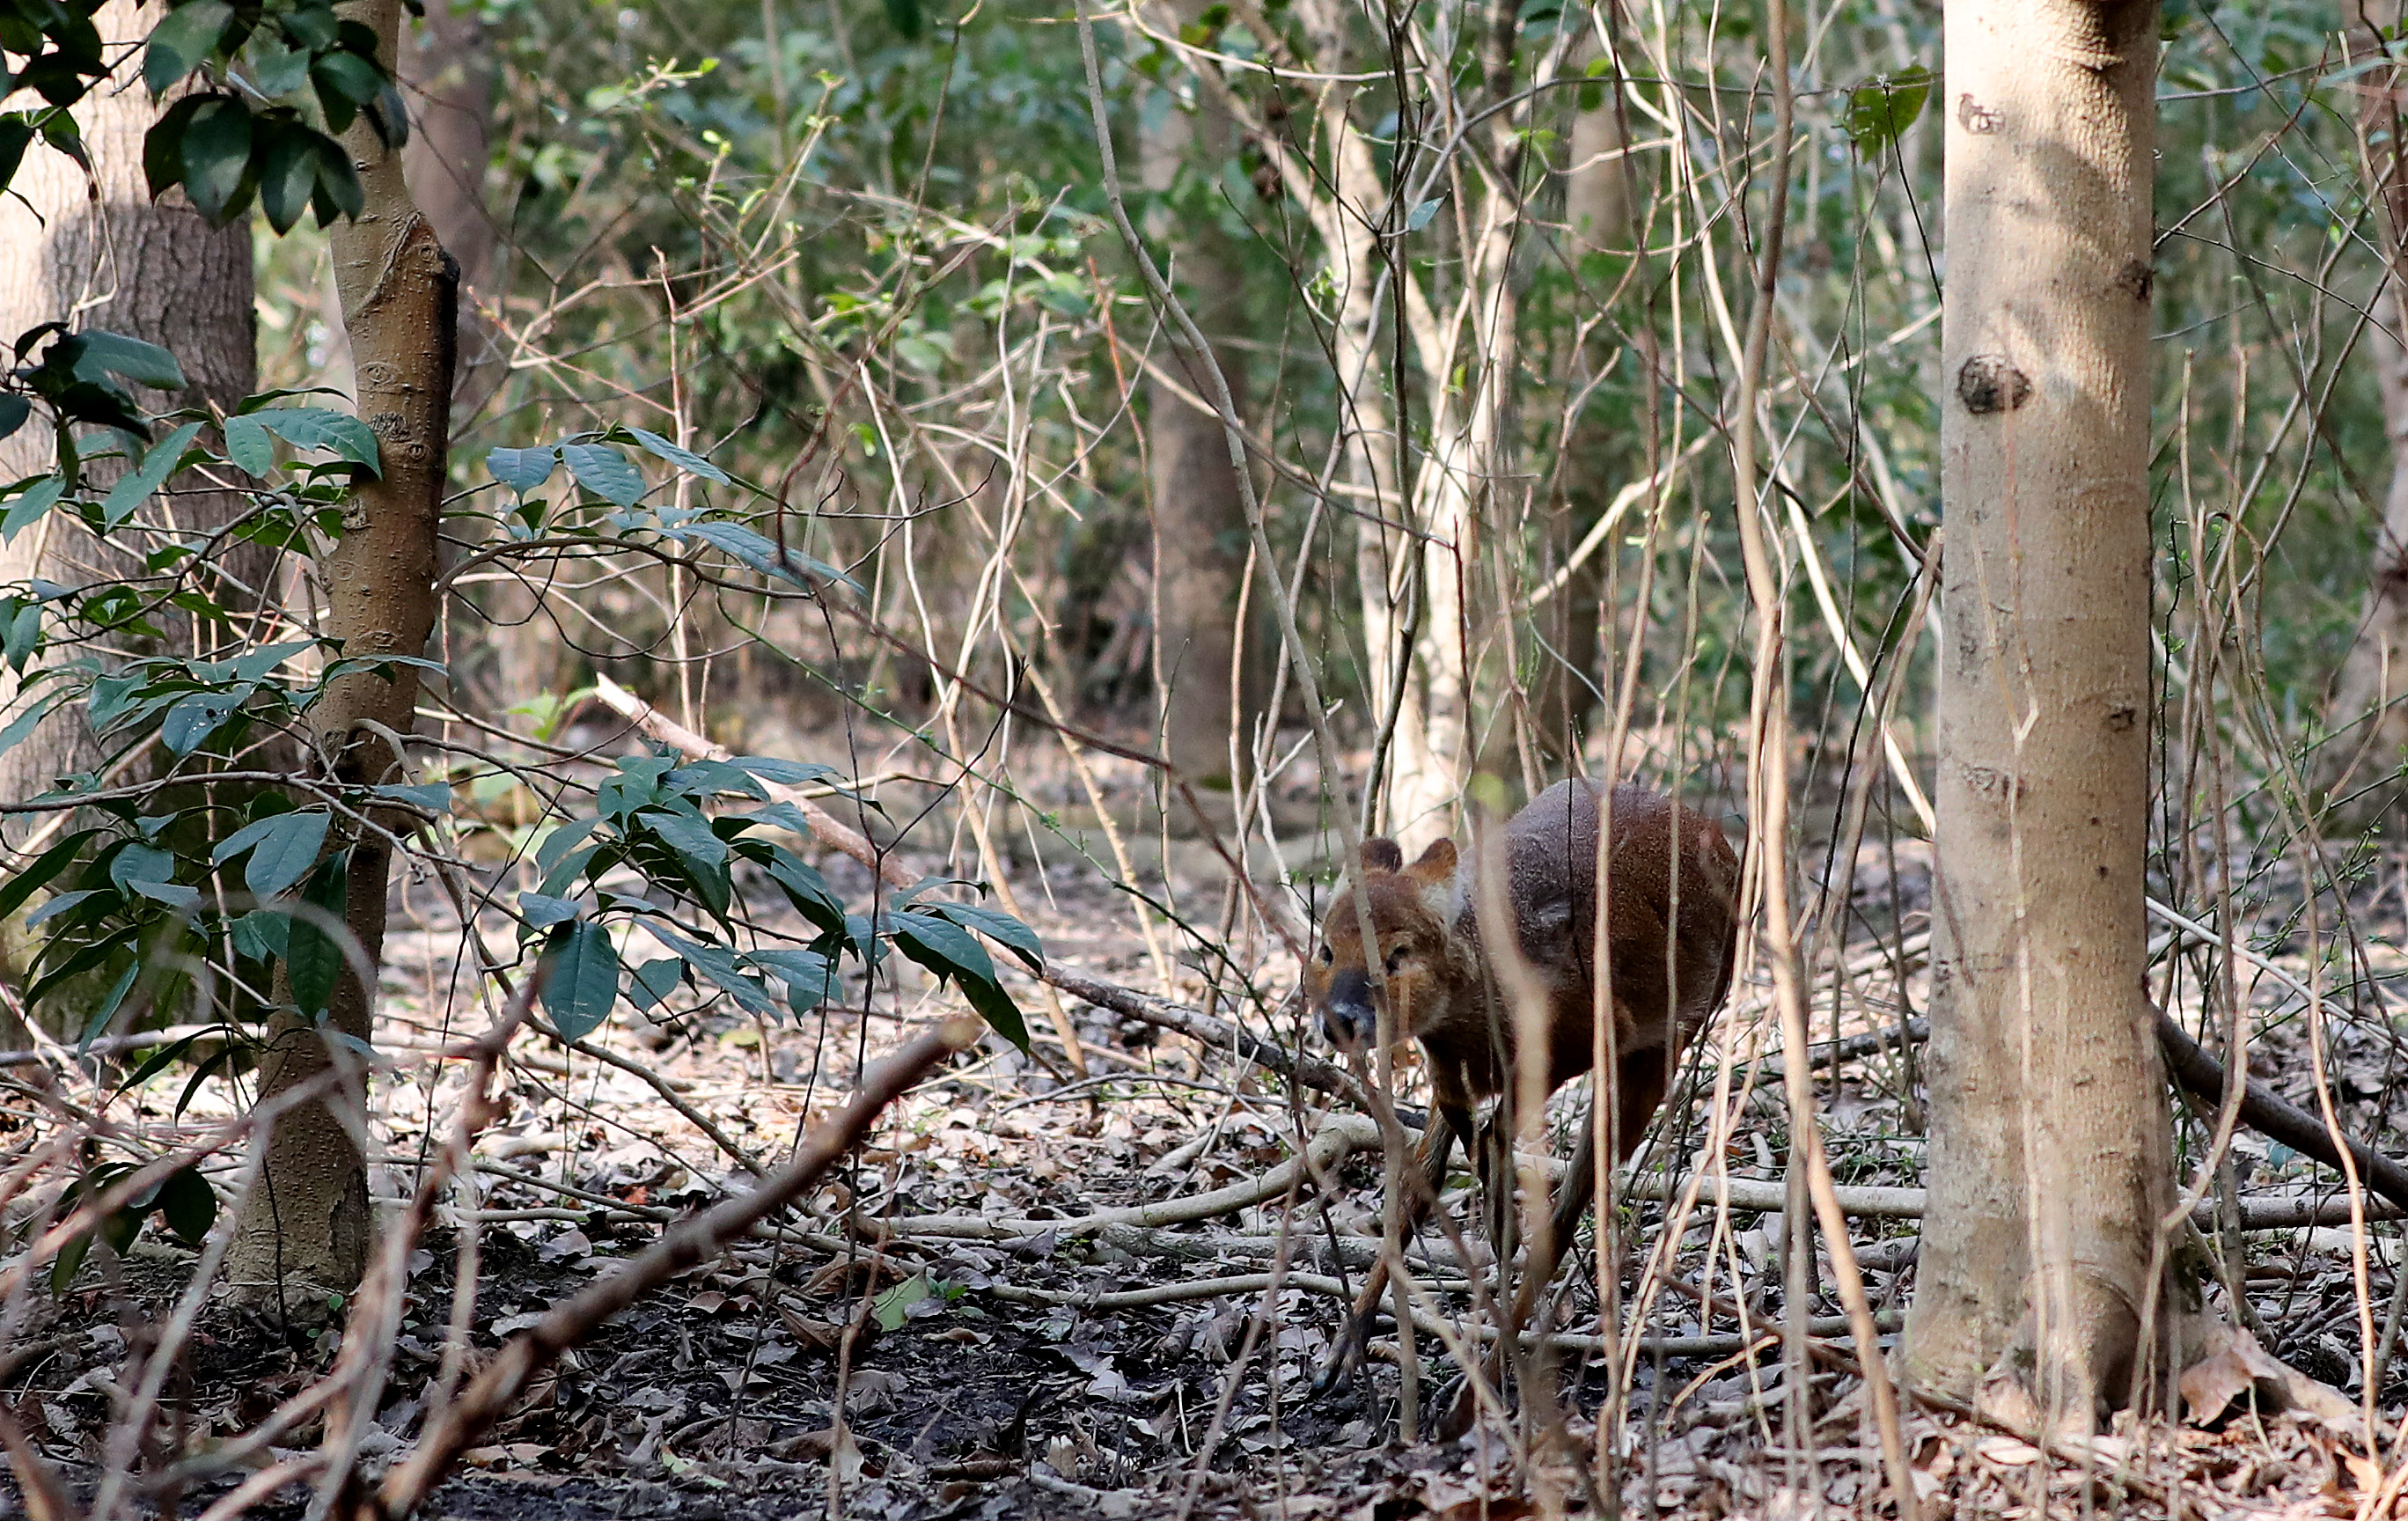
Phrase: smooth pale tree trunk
(1597,185)
(309,1222)
(97,252)
(1207,667)
(2051,1146)
(2357,775)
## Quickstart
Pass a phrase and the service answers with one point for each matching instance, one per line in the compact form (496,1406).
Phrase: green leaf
(287,176)
(941,946)
(41,870)
(523,470)
(183,42)
(603,471)
(808,976)
(649,984)
(560,841)
(138,865)
(16,136)
(217,159)
(688,834)
(1880,111)
(347,76)
(261,934)
(28,507)
(996,1006)
(313,955)
(315,427)
(684,459)
(248,446)
(99,354)
(192,719)
(188,1204)
(283,847)
(893,1306)
(717,966)
(998,926)
(742,543)
(807,889)
(712,777)
(340,192)
(276,66)
(137,486)
(788,774)
(110,1002)
(583,981)
(542,911)
(24,632)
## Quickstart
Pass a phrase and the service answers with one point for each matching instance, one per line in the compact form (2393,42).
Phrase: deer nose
(1346,1011)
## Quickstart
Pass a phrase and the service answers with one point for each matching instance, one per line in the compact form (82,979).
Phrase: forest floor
(991,1348)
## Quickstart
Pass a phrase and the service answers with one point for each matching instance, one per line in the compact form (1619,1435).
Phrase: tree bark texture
(2051,1146)
(2357,775)
(96,251)
(1199,522)
(309,1220)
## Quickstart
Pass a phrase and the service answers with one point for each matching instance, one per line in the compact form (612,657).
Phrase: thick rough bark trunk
(2051,1150)
(1199,522)
(98,251)
(308,1223)
(2358,776)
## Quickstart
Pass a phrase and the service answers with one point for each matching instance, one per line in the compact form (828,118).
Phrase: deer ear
(1437,863)
(1383,856)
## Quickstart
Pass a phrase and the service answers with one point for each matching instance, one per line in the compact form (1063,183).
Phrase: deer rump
(1672,882)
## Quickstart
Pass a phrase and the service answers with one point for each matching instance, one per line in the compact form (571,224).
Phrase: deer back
(1671,926)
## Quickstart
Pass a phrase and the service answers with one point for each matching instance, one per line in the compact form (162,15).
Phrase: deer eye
(1326,957)
(1396,960)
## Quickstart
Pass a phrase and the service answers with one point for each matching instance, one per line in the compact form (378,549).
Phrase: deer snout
(1346,1011)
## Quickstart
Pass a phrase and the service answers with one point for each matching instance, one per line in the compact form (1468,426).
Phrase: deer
(1670,922)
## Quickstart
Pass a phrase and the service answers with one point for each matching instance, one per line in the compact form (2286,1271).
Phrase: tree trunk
(308,1223)
(2051,1146)
(2361,775)
(1199,523)
(97,252)
(1598,218)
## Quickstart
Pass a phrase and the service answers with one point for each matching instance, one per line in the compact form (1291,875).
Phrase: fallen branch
(1769,1196)
(111,1045)
(1218,1034)
(506,1379)
(2277,1120)
(1339,1135)
(2199,1073)
(1711,1344)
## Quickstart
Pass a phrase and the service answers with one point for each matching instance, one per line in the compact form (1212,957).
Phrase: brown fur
(1671,932)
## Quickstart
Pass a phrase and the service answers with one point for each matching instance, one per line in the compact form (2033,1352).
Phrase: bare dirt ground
(959,1327)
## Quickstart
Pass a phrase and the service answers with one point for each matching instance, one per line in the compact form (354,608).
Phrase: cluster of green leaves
(604,476)
(281,79)
(650,822)
(319,72)
(182,1199)
(143,907)
(60,43)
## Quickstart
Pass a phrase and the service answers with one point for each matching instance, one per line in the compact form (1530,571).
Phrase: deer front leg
(1423,1185)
